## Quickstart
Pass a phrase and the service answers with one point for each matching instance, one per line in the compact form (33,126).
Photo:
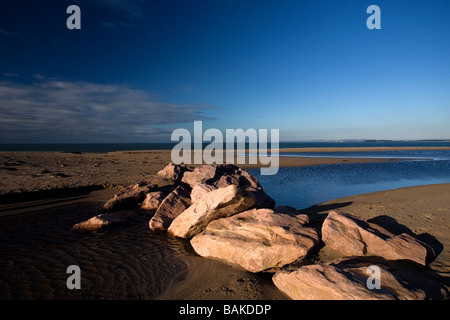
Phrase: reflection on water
(399,154)
(302,187)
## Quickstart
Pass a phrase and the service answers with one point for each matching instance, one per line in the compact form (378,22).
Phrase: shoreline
(359,149)
(24,172)
(296,149)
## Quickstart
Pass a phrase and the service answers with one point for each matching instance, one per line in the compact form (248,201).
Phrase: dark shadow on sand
(391,225)
(21,197)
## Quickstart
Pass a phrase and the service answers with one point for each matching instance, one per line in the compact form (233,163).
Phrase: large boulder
(130,196)
(199,190)
(171,207)
(219,203)
(173,171)
(199,175)
(207,178)
(221,176)
(257,239)
(352,236)
(353,279)
(101,221)
(228,174)
(263,200)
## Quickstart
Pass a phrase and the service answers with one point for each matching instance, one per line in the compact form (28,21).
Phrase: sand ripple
(127,262)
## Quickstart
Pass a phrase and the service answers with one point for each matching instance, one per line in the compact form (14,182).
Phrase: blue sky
(139,69)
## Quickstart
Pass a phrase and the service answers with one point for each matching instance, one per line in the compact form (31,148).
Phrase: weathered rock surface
(354,237)
(207,178)
(220,203)
(153,200)
(129,196)
(199,175)
(257,239)
(263,200)
(221,176)
(102,220)
(171,207)
(230,174)
(199,190)
(347,279)
(173,171)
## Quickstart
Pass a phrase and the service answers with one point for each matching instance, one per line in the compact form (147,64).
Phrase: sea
(111,147)
(302,187)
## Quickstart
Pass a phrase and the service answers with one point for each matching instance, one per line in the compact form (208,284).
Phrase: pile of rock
(399,259)
(225,214)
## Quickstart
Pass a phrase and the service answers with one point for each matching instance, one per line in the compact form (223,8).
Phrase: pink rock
(173,171)
(236,176)
(199,175)
(129,196)
(219,203)
(171,207)
(199,190)
(207,178)
(347,279)
(102,220)
(351,236)
(220,176)
(257,239)
(153,200)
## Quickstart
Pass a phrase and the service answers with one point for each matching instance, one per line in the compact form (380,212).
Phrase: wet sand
(124,262)
(130,262)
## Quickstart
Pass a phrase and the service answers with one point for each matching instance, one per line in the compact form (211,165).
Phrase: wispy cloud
(56,110)
(10,74)
(8,33)
(133,8)
(186,88)
(131,12)
(108,25)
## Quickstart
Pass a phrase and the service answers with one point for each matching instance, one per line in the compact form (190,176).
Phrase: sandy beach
(36,182)
(50,171)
